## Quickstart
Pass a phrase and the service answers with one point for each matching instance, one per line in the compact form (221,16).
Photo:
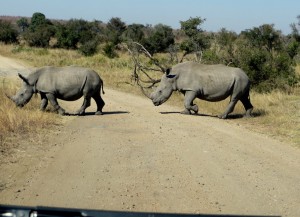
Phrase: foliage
(89,48)
(39,32)
(7,32)
(196,40)
(134,32)
(264,53)
(159,39)
(265,37)
(110,51)
(23,24)
(294,42)
(260,52)
(115,28)
(224,46)
(70,34)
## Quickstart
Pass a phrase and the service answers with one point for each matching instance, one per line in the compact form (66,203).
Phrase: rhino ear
(23,78)
(168,70)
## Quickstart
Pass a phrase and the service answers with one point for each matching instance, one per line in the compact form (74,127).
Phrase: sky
(234,15)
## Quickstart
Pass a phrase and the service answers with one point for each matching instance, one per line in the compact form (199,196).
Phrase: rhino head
(164,89)
(24,95)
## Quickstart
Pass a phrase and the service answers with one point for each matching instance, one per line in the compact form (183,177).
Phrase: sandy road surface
(144,158)
(10,67)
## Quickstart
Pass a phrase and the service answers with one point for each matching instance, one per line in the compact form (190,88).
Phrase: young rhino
(65,83)
(207,82)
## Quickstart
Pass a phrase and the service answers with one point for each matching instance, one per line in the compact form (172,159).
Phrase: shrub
(109,50)
(7,33)
(263,53)
(160,38)
(89,48)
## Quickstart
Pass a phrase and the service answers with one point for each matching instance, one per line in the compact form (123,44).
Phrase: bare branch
(140,75)
(155,61)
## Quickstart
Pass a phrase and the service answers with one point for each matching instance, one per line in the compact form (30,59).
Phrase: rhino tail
(102,86)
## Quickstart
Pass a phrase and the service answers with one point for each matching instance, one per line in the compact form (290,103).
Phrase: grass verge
(17,123)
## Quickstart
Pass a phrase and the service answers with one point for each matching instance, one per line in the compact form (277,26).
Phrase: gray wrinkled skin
(207,82)
(65,83)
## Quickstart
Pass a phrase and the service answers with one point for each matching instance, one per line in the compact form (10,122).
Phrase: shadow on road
(172,112)
(104,113)
(230,116)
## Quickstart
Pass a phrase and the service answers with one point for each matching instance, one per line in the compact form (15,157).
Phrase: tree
(115,28)
(197,41)
(23,24)
(159,39)
(296,29)
(40,37)
(40,31)
(264,36)
(223,48)
(134,32)
(293,47)
(75,32)
(261,53)
(7,32)
(37,20)
(66,38)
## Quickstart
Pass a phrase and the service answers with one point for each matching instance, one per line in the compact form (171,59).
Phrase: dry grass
(276,114)
(20,123)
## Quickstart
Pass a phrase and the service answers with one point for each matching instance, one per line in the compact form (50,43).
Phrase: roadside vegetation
(270,59)
(17,124)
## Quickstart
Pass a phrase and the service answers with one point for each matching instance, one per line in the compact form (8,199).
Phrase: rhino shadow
(230,116)
(199,114)
(104,113)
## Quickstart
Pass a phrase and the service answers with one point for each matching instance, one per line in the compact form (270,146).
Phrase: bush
(263,53)
(109,50)
(39,32)
(89,48)
(40,37)
(7,33)
(159,39)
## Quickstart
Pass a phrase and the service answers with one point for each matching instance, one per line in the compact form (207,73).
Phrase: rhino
(66,83)
(206,82)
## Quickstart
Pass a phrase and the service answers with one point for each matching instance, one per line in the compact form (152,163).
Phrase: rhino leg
(229,109)
(55,104)
(247,104)
(189,97)
(100,103)
(44,102)
(86,103)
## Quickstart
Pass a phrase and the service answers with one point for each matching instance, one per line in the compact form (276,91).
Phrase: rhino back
(66,82)
(212,82)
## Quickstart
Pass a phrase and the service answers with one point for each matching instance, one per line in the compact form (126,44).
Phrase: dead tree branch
(141,72)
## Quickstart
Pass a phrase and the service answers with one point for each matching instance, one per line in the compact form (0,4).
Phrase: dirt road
(143,158)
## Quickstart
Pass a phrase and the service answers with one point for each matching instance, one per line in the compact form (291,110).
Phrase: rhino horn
(9,97)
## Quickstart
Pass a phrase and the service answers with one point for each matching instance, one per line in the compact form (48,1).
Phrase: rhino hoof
(61,112)
(186,112)
(222,116)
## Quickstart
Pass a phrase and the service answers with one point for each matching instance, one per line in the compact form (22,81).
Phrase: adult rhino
(65,83)
(207,82)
